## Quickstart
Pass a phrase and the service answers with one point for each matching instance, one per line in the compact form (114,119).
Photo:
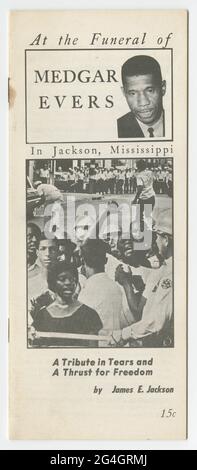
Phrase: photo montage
(100,231)
(99,253)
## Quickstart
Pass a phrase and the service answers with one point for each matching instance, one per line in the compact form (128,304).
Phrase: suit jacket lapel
(131,127)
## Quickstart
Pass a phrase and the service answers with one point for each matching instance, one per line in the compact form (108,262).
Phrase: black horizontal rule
(147,459)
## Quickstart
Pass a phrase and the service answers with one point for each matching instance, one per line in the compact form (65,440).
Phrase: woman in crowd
(65,314)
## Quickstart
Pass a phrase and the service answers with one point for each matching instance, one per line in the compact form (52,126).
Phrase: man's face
(81,233)
(112,239)
(32,242)
(144,97)
(85,270)
(162,244)
(126,248)
(48,253)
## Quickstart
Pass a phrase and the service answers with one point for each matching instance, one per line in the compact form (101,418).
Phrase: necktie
(151,132)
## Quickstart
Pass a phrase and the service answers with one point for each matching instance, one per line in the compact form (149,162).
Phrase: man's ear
(123,90)
(166,240)
(163,87)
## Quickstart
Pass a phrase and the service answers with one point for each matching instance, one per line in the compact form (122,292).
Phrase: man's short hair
(141,165)
(67,244)
(35,230)
(44,237)
(94,252)
(141,65)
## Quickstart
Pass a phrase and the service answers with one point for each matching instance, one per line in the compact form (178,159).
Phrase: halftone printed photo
(100,253)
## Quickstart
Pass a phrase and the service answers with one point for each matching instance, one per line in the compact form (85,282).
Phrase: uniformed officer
(153,312)
(145,194)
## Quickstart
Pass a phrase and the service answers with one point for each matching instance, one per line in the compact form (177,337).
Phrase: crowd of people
(101,292)
(115,180)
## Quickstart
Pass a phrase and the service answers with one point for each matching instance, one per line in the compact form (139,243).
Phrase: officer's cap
(164,222)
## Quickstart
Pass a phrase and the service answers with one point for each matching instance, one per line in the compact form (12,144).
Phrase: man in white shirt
(154,311)
(47,253)
(145,194)
(44,174)
(100,292)
(48,192)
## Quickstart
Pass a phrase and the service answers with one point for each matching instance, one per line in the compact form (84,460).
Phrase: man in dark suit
(143,89)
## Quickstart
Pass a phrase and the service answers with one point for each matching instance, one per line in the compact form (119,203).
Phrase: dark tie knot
(151,131)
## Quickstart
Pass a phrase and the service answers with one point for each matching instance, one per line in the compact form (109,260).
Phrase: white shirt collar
(158,127)
(96,275)
(33,266)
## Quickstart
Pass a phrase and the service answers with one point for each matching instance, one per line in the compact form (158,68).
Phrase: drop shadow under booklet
(98,224)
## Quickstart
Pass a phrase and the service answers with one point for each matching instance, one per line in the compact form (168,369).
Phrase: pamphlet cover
(98,224)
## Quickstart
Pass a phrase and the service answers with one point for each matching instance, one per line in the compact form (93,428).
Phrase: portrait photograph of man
(143,87)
